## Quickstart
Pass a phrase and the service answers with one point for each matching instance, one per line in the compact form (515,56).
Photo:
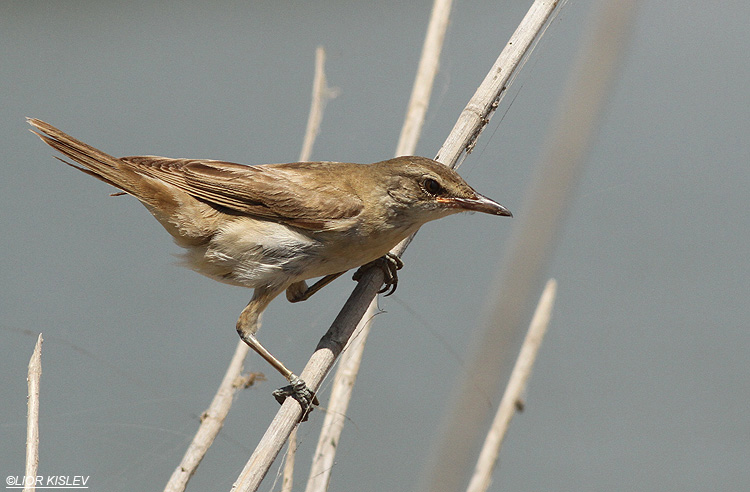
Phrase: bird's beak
(478,203)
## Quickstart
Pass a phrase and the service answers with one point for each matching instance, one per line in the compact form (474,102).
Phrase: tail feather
(94,162)
(190,221)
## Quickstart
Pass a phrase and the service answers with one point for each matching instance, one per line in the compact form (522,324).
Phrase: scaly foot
(300,392)
(390,264)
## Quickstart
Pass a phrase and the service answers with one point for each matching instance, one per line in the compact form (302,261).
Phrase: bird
(272,227)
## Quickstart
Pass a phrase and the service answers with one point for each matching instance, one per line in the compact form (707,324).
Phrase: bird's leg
(390,264)
(247,326)
(299,291)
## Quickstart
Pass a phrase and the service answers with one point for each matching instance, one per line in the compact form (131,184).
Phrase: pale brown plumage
(269,192)
(271,227)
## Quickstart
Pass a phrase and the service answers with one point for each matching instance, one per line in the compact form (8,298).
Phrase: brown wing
(305,195)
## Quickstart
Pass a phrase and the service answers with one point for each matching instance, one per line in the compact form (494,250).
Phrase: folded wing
(299,194)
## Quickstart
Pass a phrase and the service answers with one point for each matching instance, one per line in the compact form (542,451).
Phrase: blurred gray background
(643,382)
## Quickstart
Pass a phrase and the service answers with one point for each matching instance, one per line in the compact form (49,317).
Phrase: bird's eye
(431,186)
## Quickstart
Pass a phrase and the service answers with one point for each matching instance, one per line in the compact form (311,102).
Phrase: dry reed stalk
(474,118)
(346,374)
(32,419)
(214,417)
(512,398)
(320,95)
(538,223)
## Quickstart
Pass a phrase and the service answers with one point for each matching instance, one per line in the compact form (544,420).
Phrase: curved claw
(300,392)
(390,264)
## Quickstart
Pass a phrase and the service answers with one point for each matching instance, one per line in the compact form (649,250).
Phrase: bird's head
(421,190)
